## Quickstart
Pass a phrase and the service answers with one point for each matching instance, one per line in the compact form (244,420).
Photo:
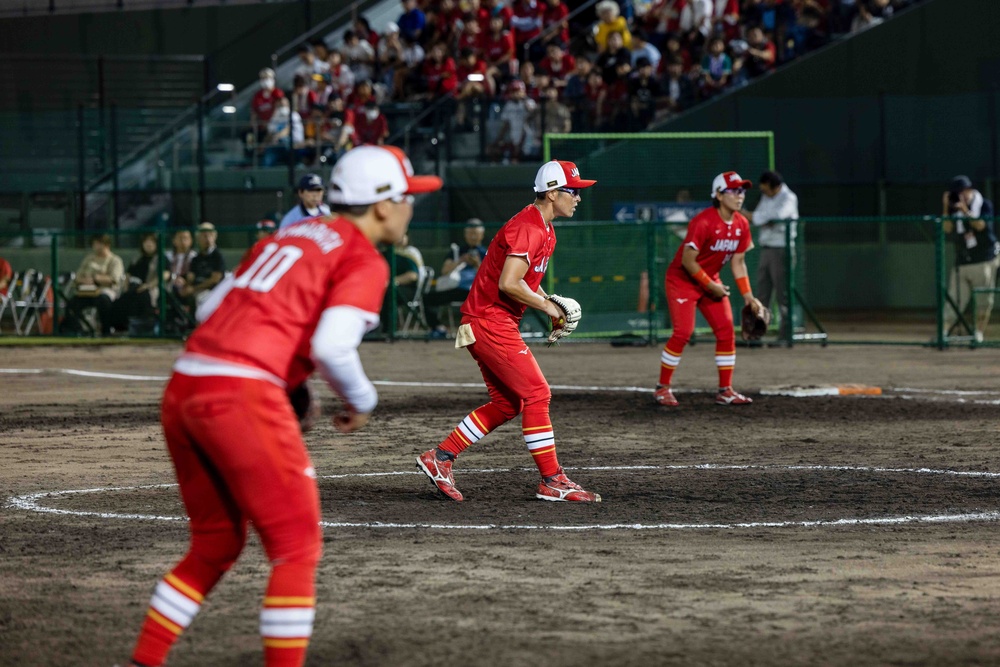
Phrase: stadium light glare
(228,109)
(225,87)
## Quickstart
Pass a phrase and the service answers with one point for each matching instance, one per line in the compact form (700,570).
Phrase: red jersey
(558,70)
(495,48)
(278,294)
(472,41)
(264,103)
(524,235)
(715,240)
(440,77)
(369,131)
(526,20)
(552,14)
(464,71)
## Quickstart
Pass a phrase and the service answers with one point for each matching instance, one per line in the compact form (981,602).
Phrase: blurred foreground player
(233,410)
(714,237)
(508,281)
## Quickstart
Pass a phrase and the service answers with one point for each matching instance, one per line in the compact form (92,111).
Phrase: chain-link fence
(849,280)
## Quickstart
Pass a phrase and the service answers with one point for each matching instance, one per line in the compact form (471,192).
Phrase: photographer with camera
(969,224)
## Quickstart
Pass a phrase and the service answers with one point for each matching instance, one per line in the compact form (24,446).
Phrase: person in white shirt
(777,202)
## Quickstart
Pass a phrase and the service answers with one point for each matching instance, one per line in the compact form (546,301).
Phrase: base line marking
(32,502)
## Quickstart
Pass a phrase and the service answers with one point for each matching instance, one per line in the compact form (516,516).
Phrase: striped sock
(171,610)
(669,361)
(286,620)
(476,425)
(541,440)
(726,361)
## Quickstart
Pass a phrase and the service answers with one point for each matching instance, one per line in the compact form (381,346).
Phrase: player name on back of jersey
(318,232)
(725,245)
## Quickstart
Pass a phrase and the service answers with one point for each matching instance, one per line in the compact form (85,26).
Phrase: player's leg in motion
(719,315)
(218,532)
(682,307)
(252,439)
(437,463)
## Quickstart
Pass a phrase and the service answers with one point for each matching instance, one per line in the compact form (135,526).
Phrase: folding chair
(83,316)
(414,308)
(7,301)
(36,301)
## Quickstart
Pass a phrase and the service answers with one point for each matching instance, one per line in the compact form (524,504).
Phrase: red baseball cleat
(730,396)
(439,473)
(559,487)
(664,396)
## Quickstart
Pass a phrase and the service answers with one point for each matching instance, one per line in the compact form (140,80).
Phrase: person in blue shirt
(461,265)
(412,22)
(310,201)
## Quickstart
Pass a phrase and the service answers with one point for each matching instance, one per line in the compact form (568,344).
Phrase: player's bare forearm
(513,285)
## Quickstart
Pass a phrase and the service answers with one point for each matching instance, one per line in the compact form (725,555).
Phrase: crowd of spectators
(636,64)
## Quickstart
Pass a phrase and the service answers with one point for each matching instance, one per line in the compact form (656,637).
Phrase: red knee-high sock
(476,425)
(286,620)
(669,360)
(725,359)
(175,602)
(540,439)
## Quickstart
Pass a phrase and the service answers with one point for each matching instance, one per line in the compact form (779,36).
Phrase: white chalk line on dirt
(477,385)
(31,502)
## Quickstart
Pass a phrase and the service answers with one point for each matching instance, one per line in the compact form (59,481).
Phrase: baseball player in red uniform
(508,281)
(714,237)
(302,300)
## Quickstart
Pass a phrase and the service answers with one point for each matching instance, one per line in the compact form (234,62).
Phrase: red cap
(727,180)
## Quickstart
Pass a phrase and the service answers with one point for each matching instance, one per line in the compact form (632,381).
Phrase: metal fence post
(114,166)
(54,272)
(651,281)
(788,321)
(201,161)
(81,148)
(939,279)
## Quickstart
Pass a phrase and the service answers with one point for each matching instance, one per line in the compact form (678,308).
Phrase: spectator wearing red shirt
(264,102)
(553,13)
(674,48)
(360,96)
(6,275)
(727,18)
(526,24)
(479,14)
(557,64)
(439,71)
(618,100)
(341,76)
(370,126)
(663,19)
(471,36)
(498,50)
(498,8)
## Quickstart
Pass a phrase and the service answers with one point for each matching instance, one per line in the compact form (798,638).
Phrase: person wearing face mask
(370,125)
(265,102)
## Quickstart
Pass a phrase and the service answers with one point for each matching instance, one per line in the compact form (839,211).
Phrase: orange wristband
(743,284)
(702,278)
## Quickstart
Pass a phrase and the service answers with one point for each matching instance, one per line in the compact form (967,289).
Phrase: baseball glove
(567,324)
(754,326)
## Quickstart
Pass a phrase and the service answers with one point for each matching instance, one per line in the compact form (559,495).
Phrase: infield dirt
(73,589)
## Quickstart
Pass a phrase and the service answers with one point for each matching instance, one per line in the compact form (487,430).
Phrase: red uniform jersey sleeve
(697,233)
(521,240)
(745,238)
(359,282)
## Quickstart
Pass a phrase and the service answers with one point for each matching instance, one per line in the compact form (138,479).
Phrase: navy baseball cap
(960,184)
(310,182)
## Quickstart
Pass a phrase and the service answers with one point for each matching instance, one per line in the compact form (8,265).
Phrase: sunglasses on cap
(734,191)
(572,192)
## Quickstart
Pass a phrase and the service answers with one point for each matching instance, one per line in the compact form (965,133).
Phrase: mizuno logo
(725,245)
(524,351)
(681,300)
